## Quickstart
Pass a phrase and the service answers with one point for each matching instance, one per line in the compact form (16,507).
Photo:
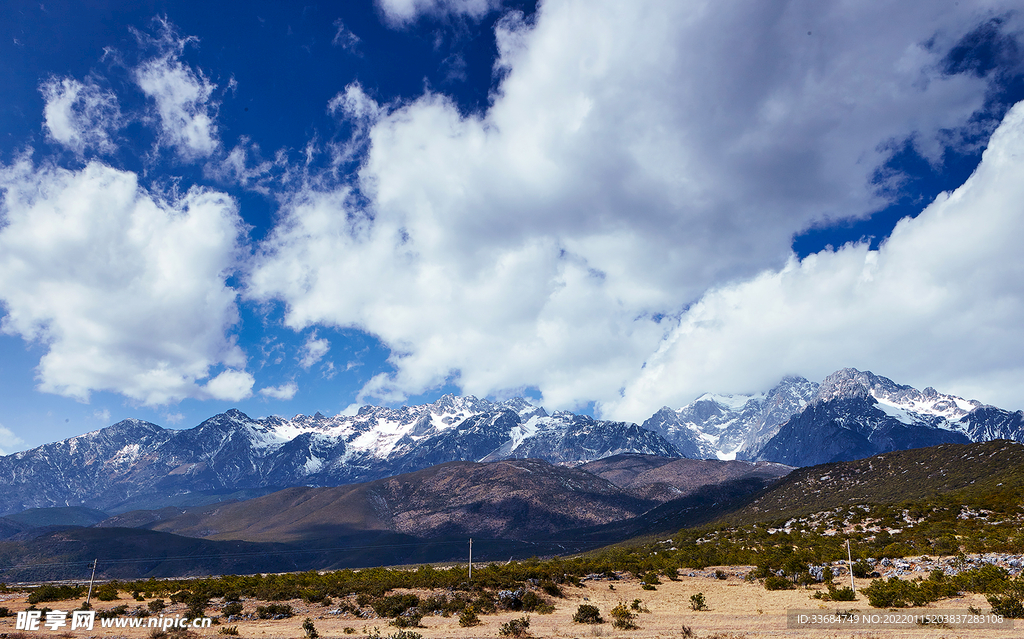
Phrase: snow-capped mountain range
(851,414)
(728,426)
(136,464)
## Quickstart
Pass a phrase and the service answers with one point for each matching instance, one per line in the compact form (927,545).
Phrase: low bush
(587,614)
(837,594)
(861,569)
(551,588)
(775,582)
(232,609)
(623,618)
(468,617)
(1008,606)
(697,602)
(897,593)
(515,627)
(394,605)
(55,593)
(274,611)
(116,611)
(408,619)
(532,602)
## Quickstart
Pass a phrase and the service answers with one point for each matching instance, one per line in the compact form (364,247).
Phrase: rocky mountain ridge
(135,464)
(852,414)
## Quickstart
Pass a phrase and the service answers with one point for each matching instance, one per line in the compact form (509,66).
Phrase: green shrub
(895,550)
(697,602)
(514,627)
(623,618)
(5,611)
(197,603)
(116,611)
(587,614)
(861,569)
(840,594)
(1008,606)
(156,605)
(55,593)
(408,619)
(232,609)
(107,592)
(310,629)
(274,610)
(775,582)
(532,602)
(551,588)
(394,605)
(897,593)
(468,617)
(228,630)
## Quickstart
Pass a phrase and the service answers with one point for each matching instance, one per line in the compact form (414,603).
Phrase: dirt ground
(736,609)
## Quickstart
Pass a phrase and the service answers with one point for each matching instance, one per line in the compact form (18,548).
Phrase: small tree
(468,617)
(697,602)
(310,629)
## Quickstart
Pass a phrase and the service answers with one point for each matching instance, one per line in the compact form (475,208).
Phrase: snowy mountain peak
(896,399)
(731,402)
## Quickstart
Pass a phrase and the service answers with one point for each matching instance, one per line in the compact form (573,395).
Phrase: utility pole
(849,558)
(88,597)
(471,559)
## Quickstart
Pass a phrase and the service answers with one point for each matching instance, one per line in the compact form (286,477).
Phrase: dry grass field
(736,609)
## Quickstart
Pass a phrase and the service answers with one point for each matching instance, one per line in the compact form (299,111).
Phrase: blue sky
(605,206)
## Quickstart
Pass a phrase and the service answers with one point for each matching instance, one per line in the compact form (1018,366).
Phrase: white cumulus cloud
(124,288)
(940,304)
(403,12)
(80,115)
(313,350)
(283,392)
(634,155)
(182,96)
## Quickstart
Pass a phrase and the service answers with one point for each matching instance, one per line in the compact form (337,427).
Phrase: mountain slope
(511,499)
(890,478)
(662,479)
